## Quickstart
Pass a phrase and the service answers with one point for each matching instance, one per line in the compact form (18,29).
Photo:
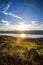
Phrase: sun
(22,27)
(22,35)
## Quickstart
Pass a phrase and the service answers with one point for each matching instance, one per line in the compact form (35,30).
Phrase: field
(21,51)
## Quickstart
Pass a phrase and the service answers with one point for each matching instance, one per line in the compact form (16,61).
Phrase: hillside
(25,32)
(27,51)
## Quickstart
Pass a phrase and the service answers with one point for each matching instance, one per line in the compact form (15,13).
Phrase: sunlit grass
(24,45)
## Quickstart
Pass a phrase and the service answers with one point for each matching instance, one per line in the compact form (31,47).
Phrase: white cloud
(16,27)
(15,16)
(5,23)
(8,6)
(41,25)
(34,23)
(9,13)
(9,27)
(5,13)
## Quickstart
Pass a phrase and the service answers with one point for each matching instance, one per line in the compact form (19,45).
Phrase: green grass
(18,49)
(22,43)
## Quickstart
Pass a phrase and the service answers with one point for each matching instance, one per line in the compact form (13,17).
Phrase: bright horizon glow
(22,35)
(22,27)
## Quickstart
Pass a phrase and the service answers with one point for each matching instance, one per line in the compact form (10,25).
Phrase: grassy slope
(19,45)
(17,51)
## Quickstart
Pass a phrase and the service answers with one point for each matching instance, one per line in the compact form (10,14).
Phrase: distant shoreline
(25,32)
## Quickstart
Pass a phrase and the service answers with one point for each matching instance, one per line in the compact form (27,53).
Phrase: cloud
(8,6)
(34,23)
(41,25)
(10,13)
(8,27)
(5,23)
(16,27)
(15,16)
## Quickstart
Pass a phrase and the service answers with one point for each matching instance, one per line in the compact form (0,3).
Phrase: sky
(21,15)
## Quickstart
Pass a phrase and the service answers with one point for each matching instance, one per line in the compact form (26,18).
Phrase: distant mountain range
(25,32)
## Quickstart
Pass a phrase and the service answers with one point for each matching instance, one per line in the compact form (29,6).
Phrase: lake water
(26,35)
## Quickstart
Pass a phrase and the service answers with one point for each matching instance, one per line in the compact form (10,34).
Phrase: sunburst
(22,27)
(22,35)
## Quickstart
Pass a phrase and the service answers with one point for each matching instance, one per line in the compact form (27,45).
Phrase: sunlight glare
(22,27)
(22,35)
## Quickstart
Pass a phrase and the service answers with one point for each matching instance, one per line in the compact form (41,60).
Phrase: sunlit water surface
(25,35)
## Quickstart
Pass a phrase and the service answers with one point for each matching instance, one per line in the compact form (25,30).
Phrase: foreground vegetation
(18,51)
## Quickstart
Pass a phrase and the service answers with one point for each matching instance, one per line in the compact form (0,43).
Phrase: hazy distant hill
(25,32)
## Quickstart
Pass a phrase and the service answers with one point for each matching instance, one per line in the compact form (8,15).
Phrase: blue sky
(15,12)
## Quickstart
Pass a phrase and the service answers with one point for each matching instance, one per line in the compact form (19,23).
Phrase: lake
(26,35)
